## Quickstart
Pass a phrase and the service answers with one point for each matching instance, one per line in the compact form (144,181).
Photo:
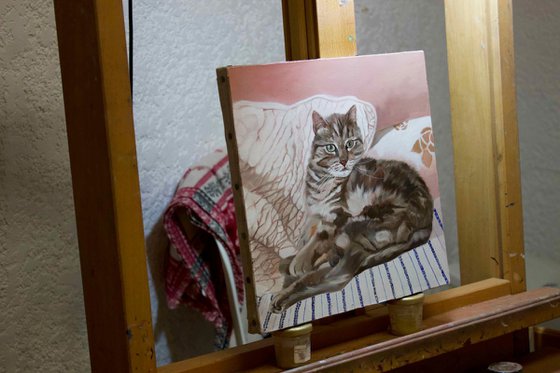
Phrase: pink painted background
(396,84)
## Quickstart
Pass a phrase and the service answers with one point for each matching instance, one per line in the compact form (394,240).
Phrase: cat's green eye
(350,144)
(330,148)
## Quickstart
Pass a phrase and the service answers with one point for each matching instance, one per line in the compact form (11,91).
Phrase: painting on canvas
(336,189)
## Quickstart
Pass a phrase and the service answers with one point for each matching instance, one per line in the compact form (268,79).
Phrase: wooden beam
(295,29)
(101,141)
(469,358)
(319,28)
(485,139)
(475,292)
(374,321)
(445,332)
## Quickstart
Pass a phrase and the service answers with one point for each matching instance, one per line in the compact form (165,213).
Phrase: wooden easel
(107,199)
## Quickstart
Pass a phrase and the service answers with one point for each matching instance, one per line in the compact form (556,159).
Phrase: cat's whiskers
(350,165)
(337,170)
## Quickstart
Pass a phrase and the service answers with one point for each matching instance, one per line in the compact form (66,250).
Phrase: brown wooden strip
(240,213)
(319,29)
(467,294)
(445,332)
(296,25)
(335,28)
(102,150)
(507,145)
(470,358)
(485,140)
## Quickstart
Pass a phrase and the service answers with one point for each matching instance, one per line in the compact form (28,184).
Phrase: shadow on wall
(174,332)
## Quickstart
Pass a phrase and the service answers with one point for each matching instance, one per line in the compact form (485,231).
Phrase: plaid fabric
(194,275)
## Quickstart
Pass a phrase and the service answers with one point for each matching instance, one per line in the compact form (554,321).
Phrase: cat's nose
(343,162)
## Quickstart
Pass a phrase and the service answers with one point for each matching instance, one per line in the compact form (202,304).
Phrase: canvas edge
(237,187)
(321,59)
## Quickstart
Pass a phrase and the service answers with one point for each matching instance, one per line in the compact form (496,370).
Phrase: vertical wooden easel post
(486,144)
(101,141)
(319,28)
(485,140)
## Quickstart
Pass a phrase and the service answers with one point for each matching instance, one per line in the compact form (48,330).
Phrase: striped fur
(365,212)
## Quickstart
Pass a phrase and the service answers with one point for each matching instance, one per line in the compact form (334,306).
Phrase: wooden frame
(107,197)
(102,150)
(485,141)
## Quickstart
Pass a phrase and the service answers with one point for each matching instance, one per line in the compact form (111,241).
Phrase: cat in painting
(362,211)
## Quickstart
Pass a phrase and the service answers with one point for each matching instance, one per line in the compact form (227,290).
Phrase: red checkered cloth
(201,212)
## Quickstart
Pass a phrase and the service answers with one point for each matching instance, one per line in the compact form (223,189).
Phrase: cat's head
(338,143)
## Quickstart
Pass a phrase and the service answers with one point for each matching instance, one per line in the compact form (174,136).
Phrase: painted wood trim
(485,140)
(100,129)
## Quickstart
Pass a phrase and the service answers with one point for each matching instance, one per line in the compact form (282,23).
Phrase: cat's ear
(351,114)
(318,121)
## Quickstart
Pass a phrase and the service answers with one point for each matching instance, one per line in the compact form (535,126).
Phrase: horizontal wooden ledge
(445,332)
(328,337)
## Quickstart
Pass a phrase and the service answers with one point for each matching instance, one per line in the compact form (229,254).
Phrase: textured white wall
(177,46)
(178,118)
(41,313)
(537,48)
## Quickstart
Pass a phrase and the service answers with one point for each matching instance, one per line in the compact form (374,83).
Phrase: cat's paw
(335,255)
(301,264)
(333,260)
(320,260)
(284,266)
(296,267)
(278,303)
